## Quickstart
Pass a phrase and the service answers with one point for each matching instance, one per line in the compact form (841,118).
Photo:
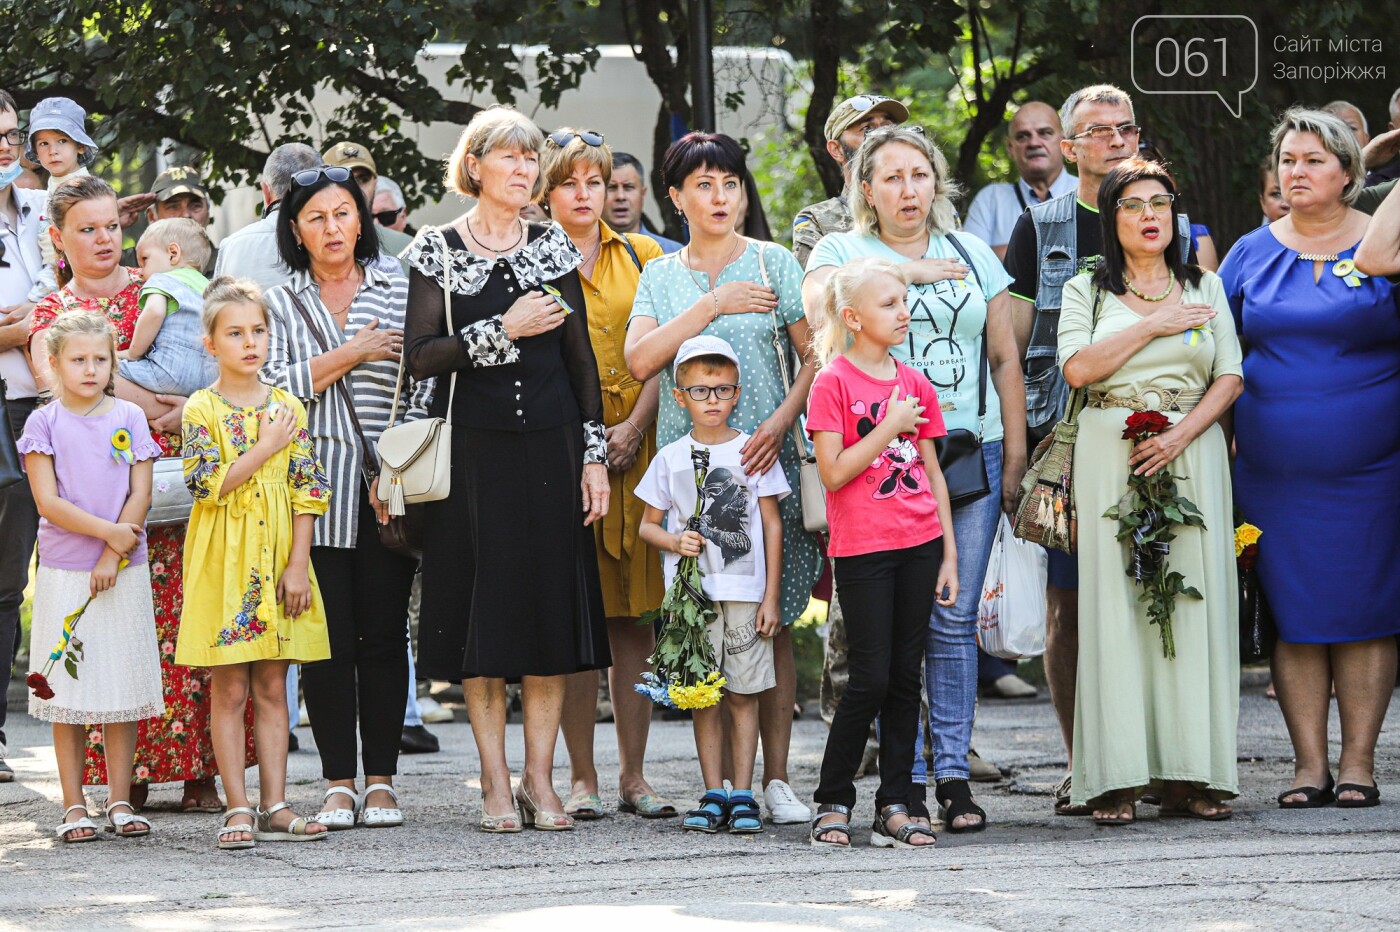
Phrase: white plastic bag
(1011,613)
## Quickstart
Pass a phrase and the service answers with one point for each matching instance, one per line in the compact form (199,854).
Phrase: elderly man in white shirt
(21,266)
(252,251)
(1033,142)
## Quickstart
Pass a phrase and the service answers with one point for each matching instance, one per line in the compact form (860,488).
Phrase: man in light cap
(356,157)
(178,192)
(846,129)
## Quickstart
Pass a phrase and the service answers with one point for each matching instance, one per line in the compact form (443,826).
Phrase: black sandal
(745,818)
(1313,797)
(701,819)
(918,802)
(882,837)
(1370,796)
(820,831)
(955,799)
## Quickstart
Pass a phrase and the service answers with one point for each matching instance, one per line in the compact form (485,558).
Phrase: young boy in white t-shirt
(739,541)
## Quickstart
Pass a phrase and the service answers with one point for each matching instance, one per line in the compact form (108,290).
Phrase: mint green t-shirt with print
(947,324)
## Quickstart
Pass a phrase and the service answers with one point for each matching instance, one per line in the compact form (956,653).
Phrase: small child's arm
(294,585)
(770,616)
(687,543)
(147,325)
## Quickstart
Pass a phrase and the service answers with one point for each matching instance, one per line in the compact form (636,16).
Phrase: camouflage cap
(350,155)
(853,108)
(176,180)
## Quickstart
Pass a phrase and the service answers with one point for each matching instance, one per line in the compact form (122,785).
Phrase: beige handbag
(809,480)
(416,458)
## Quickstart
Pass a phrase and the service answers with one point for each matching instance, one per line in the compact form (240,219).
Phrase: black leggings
(886,599)
(365,591)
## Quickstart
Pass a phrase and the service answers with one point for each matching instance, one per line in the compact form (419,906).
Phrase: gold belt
(1180,400)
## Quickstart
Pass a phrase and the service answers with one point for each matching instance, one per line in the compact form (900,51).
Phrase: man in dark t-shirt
(1022,261)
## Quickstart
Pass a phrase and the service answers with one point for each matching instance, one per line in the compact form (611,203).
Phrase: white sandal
(379,816)
(118,823)
(64,829)
(296,831)
(338,820)
(226,829)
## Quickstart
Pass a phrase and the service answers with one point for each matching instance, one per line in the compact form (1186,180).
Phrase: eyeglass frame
(391,214)
(8,137)
(562,139)
(1146,202)
(711,390)
(1122,129)
(309,176)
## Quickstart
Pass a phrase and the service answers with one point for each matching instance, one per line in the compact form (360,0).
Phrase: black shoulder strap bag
(960,451)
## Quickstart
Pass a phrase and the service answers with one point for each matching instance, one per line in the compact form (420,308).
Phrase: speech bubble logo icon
(1213,54)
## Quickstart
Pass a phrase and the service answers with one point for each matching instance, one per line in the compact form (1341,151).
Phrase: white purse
(416,458)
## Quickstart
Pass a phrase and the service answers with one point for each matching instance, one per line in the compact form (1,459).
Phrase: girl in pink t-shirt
(873,421)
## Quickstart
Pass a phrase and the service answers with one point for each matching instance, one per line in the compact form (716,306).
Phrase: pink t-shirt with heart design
(889,506)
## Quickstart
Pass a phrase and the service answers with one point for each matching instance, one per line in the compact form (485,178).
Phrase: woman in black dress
(510,579)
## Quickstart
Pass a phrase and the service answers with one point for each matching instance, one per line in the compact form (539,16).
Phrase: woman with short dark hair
(337,336)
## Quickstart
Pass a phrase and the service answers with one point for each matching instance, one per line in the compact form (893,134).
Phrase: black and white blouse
(532,383)
(382,297)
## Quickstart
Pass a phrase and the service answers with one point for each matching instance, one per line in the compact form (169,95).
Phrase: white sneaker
(432,711)
(784,808)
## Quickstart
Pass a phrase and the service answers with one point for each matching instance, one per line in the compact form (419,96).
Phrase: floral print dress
(238,544)
(176,745)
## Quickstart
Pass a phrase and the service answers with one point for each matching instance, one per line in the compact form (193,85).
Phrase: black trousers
(19,526)
(886,599)
(365,591)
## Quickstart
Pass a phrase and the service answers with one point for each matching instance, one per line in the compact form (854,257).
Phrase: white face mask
(8,175)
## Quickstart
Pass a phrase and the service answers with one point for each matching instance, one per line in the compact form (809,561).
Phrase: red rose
(36,682)
(1143,424)
(1248,557)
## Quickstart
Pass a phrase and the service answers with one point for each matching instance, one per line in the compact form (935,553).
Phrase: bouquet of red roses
(1147,517)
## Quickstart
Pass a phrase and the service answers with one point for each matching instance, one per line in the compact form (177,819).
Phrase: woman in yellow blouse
(577,166)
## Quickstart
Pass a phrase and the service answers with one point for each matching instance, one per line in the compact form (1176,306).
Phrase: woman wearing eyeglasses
(727,285)
(510,578)
(960,336)
(577,167)
(337,335)
(1148,332)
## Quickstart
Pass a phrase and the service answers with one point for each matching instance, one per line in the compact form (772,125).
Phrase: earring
(856,328)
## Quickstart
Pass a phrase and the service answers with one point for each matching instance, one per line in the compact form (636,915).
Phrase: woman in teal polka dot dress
(716,286)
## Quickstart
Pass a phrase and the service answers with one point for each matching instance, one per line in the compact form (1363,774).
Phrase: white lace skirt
(119,676)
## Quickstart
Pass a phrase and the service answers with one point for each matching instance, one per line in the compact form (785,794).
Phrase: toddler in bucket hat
(58,138)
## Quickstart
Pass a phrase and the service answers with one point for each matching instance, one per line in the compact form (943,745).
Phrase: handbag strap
(982,368)
(370,466)
(778,347)
(447,312)
(1079,396)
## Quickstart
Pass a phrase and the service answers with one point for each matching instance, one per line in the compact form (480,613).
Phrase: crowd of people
(574,366)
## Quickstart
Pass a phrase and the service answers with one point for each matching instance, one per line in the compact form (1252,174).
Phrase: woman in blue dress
(1318,465)
(744,291)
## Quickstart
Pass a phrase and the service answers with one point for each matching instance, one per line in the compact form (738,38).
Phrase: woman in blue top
(901,194)
(1318,460)
(743,291)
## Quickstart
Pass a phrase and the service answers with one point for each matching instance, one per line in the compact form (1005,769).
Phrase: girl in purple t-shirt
(88,456)
(873,421)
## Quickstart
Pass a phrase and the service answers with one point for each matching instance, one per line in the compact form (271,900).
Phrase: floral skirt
(176,745)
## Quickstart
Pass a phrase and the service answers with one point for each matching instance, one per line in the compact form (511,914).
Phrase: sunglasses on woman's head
(590,138)
(308,176)
(386,217)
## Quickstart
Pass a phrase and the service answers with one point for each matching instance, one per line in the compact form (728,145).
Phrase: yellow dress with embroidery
(238,544)
(629,570)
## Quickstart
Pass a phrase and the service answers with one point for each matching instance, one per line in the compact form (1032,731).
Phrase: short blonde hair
(499,126)
(558,164)
(1337,138)
(832,336)
(195,248)
(942,216)
(225,291)
(82,323)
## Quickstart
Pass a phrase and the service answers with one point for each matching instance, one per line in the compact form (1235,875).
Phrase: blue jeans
(950,654)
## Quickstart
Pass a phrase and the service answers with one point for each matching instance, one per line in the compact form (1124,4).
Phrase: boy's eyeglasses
(15,137)
(590,138)
(1161,203)
(385,217)
(703,392)
(309,176)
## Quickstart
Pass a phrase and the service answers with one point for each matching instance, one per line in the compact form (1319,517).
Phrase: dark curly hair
(293,255)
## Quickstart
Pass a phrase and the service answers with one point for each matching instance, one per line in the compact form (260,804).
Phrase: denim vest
(1057,261)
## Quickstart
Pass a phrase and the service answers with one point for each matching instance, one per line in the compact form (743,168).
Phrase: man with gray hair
(252,251)
(1382,155)
(390,208)
(1051,243)
(1350,114)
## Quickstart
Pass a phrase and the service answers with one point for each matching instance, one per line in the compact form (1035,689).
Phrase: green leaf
(70,666)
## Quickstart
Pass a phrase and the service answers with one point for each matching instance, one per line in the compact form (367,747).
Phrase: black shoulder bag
(960,451)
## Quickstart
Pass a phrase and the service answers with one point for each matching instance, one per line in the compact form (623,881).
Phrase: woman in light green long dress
(1141,720)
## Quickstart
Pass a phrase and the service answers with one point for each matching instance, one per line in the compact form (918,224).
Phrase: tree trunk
(826,63)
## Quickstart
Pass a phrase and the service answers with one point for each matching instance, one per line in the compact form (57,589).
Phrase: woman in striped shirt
(337,335)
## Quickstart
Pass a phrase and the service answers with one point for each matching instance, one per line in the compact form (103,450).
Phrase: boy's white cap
(703,346)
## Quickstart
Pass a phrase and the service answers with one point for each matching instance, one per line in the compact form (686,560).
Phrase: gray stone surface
(1265,869)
